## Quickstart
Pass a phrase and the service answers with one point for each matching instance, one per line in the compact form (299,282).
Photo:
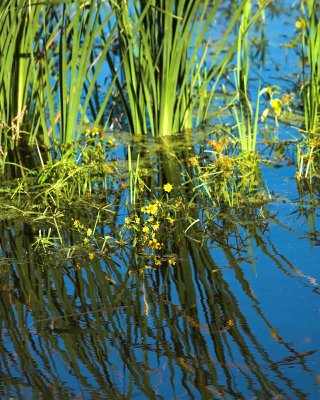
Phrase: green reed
(164,49)
(58,55)
(246,113)
(18,27)
(72,68)
(53,65)
(308,152)
(310,35)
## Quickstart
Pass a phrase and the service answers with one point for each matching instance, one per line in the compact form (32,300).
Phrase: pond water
(232,312)
(236,316)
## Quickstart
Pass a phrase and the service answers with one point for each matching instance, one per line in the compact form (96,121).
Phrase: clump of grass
(164,50)
(309,25)
(247,118)
(67,179)
(52,64)
(231,179)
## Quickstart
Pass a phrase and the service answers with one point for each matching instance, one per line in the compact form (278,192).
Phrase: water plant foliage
(69,63)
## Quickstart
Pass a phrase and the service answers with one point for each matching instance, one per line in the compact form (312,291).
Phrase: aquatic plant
(52,69)
(246,116)
(18,26)
(309,25)
(165,62)
(72,66)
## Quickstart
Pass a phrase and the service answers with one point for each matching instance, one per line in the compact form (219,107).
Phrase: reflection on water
(235,317)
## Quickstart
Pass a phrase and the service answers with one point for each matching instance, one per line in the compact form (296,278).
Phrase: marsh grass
(60,55)
(309,27)
(245,112)
(310,36)
(72,70)
(54,64)
(164,58)
(18,86)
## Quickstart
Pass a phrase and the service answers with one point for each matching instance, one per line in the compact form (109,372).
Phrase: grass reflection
(110,327)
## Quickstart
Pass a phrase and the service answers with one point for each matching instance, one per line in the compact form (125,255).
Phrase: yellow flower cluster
(77,224)
(150,209)
(157,261)
(93,132)
(154,244)
(83,230)
(193,161)
(89,232)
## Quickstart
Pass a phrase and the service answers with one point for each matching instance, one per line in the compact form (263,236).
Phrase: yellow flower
(276,105)
(154,244)
(106,168)
(95,131)
(300,24)
(76,223)
(137,220)
(217,145)
(89,232)
(167,187)
(193,161)
(87,132)
(153,208)
(145,229)
(127,220)
(150,209)
(111,139)
(172,261)
(90,256)
(171,220)
(157,261)
(155,226)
